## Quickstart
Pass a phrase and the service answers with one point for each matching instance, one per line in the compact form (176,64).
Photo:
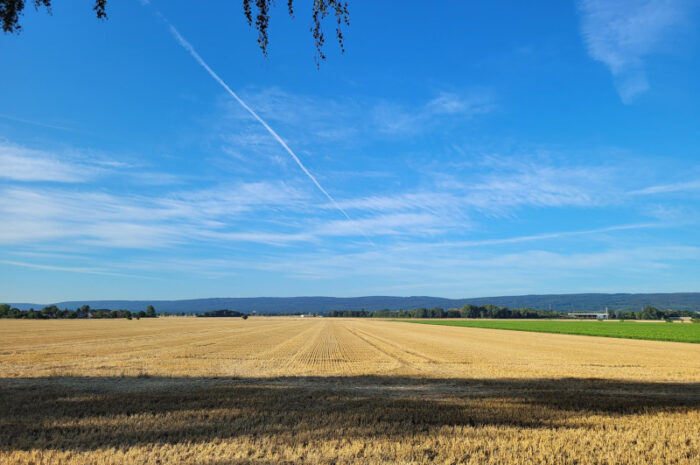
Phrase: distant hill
(561,302)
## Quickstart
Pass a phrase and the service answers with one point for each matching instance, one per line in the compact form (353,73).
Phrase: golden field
(334,391)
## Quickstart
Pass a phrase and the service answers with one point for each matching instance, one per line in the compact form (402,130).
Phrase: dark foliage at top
(11,10)
(321,9)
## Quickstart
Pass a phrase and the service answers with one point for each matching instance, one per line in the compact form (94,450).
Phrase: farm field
(628,329)
(335,391)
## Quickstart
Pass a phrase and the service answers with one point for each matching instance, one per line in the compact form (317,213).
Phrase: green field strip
(673,332)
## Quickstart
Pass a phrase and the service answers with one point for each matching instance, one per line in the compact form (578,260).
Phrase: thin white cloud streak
(312,120)
(39,123)
(413,225)
(36,215)
(499,192)
(393,119)
(463,274)
(26,164)
(190,49)
(260,237)
(23,164)
(553,235)
(71,269)
(622,33)
(100,219)
(215,215)
(394,224)
(669,188)
(50,255)
(276,214)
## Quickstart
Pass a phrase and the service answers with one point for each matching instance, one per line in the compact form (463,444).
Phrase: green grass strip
(675,332)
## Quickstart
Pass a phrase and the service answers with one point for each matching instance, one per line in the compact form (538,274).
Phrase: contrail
(190,49)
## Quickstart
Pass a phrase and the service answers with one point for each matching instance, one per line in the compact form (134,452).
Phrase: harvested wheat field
(339,391)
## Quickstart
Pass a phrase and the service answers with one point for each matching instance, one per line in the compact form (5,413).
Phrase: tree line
(52,312)
(651,313)
(493,311)
(467,311)
(223,313)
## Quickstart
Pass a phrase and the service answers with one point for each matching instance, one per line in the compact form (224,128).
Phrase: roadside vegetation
(620,329)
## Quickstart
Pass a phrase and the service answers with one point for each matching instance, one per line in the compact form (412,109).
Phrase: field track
(292,390)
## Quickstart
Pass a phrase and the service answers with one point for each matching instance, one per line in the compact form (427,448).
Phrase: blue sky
(484,148)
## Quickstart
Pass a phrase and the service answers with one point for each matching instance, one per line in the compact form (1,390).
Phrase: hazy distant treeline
(223,313)
(494,311)
(651,313)
(467,311)
(52,312)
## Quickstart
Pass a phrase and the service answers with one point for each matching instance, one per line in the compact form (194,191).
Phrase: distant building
(589,315)
(680,319)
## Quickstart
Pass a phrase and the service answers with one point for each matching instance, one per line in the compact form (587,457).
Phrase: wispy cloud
(451,103)
(37,215)
(313,123)
(398,224)
(521,182)
(20,163)
(687,186)
(73,269)
(311,118)
(448,204)
(190,49)
(552,235)
(445,108)
(460,273)
(42,124)
(623,33)
(74,166)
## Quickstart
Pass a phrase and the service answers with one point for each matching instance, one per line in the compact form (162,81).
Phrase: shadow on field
(84,413)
